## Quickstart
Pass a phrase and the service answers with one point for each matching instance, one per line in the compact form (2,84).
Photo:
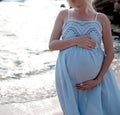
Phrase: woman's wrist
(98,79)
(73,41)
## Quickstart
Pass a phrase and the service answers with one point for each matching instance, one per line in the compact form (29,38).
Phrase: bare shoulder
(103,19)
(64,11)
(63,14)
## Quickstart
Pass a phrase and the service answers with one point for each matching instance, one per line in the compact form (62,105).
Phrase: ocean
(26,64)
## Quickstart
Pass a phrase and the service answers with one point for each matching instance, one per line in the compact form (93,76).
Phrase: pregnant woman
(85,82)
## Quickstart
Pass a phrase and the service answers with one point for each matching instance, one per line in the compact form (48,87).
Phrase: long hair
(90,5)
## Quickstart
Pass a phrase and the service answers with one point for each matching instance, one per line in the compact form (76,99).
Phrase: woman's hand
(87,85)
(85,42)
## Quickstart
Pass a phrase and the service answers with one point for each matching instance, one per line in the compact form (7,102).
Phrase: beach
(24,53)
(27,67)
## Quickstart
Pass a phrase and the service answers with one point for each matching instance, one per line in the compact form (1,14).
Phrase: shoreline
(36,87)
(27,66)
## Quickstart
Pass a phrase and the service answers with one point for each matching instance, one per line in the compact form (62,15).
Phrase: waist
(77,48)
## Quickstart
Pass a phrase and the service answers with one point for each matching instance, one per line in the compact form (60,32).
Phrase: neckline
(69,16)
(81,20)
(85,21)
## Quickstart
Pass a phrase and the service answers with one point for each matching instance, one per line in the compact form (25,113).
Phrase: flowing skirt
(76,65)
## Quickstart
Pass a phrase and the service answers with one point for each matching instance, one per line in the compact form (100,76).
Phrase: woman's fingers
(81,87)
(91,44)
(86,85)
(86,42)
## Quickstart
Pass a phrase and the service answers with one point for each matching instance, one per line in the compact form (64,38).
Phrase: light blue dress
(76,65)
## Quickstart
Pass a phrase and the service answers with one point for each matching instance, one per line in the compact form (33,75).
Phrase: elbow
(110,54)
(113,55)
(53,45)
(51,48)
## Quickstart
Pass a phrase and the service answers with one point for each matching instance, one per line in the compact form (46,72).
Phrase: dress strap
(96,16)
(68,14)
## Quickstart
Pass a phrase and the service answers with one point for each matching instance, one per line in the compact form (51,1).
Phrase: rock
(116,14)
(105,6)
(109,7)
(115,31)
(62,5)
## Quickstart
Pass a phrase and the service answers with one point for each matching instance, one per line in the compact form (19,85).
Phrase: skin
(79,12)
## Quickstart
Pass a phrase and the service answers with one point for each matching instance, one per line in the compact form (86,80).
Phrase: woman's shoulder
(63,14)
(64,11)
(102,17)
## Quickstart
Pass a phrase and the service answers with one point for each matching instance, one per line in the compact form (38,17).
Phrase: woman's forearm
(106,64)
(81,41)
(61,44)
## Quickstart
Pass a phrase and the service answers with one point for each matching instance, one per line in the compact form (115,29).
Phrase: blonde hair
(89,4)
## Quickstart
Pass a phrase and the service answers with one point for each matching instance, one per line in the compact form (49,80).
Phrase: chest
(75,28)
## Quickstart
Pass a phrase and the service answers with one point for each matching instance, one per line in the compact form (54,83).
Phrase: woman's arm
(109,55)
(108,46)
(56,44)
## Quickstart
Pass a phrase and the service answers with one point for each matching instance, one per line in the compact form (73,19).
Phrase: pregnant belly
(84,65)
